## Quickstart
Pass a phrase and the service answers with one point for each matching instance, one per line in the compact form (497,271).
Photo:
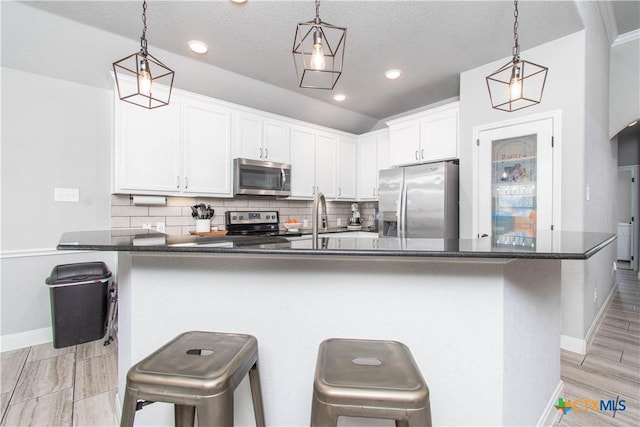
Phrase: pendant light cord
(516,45)
(143,39)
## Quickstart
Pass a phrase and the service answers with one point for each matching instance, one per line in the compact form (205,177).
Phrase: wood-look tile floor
(611,368)
(76,386)
(72,386)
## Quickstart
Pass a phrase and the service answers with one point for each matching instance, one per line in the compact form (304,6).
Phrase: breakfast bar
(482,321)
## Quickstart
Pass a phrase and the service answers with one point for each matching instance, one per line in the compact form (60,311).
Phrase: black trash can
(79,302)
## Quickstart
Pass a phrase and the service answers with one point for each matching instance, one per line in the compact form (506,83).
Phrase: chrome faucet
(318,200)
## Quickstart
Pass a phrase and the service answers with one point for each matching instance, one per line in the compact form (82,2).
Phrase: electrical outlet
(66,194)
(146,226)
(339,222)
(160,227)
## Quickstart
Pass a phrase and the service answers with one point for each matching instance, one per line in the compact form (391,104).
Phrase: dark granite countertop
(549,245)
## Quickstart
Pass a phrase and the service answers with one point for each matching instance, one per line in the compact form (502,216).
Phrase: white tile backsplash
(176,215)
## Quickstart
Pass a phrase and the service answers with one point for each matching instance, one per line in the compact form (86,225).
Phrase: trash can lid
(78,272)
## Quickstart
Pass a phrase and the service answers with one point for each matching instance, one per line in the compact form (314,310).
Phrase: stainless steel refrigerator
(419,201)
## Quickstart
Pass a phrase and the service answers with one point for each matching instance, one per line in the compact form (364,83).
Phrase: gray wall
(55,133)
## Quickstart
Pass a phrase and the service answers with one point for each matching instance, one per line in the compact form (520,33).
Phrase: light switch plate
(66,194)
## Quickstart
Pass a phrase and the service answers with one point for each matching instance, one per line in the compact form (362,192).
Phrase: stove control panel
(251,217)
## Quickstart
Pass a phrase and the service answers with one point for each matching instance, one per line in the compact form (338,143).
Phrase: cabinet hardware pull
(178,181)
(422,154)
(339,191)
(260,152)
(266,153)
(416,154)
(374,192)
(186,182)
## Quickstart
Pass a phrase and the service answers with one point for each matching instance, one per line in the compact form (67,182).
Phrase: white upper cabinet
(262,138)
(425,137)
(373,155)
(147,148)
(326,164)
(182,148)
(316,163)
(303,162)
(206,148)
(347,149)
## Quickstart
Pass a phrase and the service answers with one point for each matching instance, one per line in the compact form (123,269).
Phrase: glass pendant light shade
(516,85)
(318,53)
(141,79)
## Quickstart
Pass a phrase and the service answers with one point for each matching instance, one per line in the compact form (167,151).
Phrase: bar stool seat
(197,372)
(370,379)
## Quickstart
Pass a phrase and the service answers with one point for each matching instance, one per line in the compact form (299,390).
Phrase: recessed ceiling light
(339,97)
(392,74)
(633,123)
(238,1)
(198,47)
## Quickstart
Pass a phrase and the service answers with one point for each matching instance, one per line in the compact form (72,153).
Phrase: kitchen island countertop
(548,245)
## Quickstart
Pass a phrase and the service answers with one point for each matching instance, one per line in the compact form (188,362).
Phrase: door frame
(556,132)
(635,190)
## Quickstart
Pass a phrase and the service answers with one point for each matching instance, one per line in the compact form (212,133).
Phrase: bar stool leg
(128,409)
(216,411)
(184,415)
(420,418)
(256,395)
(322,415)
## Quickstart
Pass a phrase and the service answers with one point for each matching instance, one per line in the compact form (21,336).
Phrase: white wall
(625,82)
(54,134)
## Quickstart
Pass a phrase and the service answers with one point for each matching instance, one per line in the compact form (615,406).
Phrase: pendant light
(318,53)
(517,84)
(141,79)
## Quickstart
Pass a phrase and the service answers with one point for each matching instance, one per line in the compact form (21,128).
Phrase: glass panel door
(513,180)
(514,190)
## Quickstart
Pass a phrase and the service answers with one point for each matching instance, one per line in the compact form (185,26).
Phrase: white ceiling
(431,41)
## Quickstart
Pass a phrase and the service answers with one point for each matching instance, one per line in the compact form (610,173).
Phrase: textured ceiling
(431,41)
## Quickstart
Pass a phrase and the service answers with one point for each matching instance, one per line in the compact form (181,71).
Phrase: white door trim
(556,120)
(635,190)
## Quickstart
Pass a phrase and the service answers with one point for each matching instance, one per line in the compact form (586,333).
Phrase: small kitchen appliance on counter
(354,221)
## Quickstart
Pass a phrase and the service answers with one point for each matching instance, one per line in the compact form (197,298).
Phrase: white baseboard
(25,339)
(580,346)
(550,416)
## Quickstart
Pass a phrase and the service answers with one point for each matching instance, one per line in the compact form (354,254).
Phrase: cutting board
(208,233)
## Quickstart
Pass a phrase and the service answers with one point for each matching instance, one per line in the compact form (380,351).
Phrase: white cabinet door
(276,141)
(326,165)
(206,149)
(249,136)
(302,152)
(367,168)
(373,155)
(404,143)
(439,136)
(347,168)
(147,148)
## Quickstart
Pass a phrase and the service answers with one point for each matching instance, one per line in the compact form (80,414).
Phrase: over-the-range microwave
(261,178)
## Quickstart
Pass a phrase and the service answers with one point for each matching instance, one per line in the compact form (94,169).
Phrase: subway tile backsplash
(176,215)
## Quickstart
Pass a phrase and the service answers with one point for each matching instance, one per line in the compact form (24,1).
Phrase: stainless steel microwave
(261,178)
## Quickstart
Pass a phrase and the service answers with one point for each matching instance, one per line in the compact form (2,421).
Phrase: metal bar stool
(370,379)
(197,372)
